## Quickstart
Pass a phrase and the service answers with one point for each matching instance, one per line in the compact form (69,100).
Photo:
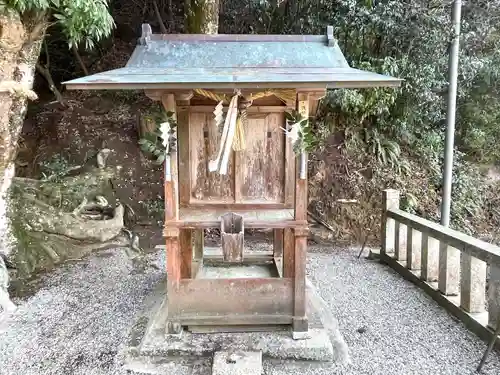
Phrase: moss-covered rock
(47,226)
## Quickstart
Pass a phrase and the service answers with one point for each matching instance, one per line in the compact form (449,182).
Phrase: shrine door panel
(262,162)
(204,141)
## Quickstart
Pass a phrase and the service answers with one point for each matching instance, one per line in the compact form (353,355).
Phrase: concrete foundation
(150,345)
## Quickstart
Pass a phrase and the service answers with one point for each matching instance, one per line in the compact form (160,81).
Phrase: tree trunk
(19,52)
(202,16)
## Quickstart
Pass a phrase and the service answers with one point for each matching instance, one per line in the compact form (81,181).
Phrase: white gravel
(79,320)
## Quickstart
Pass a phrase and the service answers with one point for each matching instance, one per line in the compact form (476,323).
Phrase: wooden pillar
(189,250)
(198,243)
(186,250)
(171,203)
(278,235)
(300,323)
(172,240)
(288,253)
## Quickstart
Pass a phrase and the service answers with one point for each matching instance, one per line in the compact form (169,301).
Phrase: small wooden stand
(232,235)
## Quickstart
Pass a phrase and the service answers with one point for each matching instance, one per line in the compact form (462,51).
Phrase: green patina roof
(234,61)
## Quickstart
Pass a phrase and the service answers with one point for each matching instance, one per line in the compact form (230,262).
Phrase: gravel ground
(78,321)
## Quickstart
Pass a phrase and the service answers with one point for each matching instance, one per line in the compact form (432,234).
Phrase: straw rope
(211,95)
(282,94)
(239,136)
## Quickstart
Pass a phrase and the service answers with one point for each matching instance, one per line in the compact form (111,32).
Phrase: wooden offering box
(233,167)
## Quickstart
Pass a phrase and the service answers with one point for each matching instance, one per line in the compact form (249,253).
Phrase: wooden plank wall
(207,298)
(263,160)
(263,173)
(204,143)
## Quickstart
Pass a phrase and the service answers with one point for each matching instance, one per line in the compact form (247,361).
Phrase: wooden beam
(300,323)
(314,100)
(186,253)
(262,109)
(239,176)
(255,224)
(157,94)
(234,320)
(278,237)
(171,175)
(173,261)
(184,147)
(288,253)
(203,301)
(290,161)
(198,243)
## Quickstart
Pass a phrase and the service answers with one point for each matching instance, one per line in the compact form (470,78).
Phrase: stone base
(238,363)
(149,344)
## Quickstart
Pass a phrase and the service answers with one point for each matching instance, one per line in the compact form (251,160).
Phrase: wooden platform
(205,218)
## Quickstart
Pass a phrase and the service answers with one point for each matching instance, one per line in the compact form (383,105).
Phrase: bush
(401,129)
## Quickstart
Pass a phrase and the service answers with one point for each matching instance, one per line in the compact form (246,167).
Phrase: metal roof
(234,61)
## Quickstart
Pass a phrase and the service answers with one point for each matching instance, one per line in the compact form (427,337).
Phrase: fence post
(390,200)
(449,270)
(413,249)
(472,283)
(494,296)
(430,258)
(401,242)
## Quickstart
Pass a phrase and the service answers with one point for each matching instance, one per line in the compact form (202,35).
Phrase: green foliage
(152,143)
(155,208)
(81,21)
(306,139)
(409,203)
(55,168)
(409,40)
(194,16)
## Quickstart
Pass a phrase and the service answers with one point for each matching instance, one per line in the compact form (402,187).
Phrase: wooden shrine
(232,165)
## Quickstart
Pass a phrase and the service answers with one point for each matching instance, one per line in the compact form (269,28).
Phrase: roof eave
(230,85)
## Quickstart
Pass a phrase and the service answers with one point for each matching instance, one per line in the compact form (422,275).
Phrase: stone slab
(148,341)
(237,363)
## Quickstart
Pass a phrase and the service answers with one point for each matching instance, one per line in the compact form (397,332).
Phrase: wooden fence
(449,265)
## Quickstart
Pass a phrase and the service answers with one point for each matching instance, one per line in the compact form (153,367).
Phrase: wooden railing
(449,265)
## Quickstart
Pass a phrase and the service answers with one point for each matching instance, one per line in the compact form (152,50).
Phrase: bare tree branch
(160,19)
(80,61)
(44,71)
